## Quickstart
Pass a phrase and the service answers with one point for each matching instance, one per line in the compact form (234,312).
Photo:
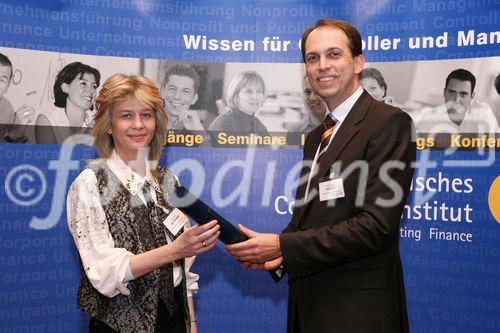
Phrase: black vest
(127,216)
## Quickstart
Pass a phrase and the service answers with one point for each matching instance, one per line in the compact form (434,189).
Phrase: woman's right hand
(197,240)
(193,241)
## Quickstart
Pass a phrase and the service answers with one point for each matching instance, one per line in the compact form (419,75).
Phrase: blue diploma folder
(201,213)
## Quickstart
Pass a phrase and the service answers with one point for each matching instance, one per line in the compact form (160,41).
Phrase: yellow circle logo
(494,199)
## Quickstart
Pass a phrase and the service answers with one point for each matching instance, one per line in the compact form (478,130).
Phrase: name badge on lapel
(331,188)
(175,221)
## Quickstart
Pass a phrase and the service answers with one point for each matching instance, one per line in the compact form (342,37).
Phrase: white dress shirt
(106,266)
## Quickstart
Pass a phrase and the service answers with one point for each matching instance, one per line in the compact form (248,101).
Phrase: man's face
(315,104)
(179,94)
(331,68)
(5,75)
(458,95)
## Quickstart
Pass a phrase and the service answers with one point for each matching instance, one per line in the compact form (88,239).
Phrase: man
(315,113)
(180,91)
(13,123)
(460,113)
(341,248)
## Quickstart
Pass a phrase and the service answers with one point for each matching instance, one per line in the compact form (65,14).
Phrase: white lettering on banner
(275,44)
(282,206)
(434,233)
(26,30)
(378,8)
(337,10)
(241,190)
(445,22)
(288,27)
(425,6)
(201,42)
(441,183)
(277,11)
(471,38)
(415,234)
(211,26)
(116,38)
(388,25)
(376,43)
(438,212)
(428,42)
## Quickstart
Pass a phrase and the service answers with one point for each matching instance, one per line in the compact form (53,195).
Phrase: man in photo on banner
(314,113)
(180,92)
(461,112)
(13,123)
(341,248)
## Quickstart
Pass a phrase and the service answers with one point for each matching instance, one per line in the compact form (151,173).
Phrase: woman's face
(132,127)
(250,98)
(81,91)
(372,87)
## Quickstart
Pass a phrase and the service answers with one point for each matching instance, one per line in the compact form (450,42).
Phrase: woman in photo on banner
(244,98)
(135,248)
(74,90)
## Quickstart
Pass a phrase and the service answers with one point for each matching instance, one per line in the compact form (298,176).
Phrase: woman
(74,90)
(244,97)
(133,277)
(373,82)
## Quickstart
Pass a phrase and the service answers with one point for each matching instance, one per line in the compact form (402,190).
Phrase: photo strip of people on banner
(240,104)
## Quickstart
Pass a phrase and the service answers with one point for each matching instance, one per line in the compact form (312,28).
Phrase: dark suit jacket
(342,258)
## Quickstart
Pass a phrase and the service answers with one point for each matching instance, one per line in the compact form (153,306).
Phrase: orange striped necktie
(329,124)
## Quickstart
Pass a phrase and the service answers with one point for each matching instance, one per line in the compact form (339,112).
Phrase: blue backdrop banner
(450,229)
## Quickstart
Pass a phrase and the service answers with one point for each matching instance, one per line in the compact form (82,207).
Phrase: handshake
(257,251)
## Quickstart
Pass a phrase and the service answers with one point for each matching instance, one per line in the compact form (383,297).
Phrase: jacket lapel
(346,132)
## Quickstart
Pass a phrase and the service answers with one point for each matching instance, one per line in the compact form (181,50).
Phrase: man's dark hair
(5,61)
(183,70)
(353,35)
(497,83)
(462,75)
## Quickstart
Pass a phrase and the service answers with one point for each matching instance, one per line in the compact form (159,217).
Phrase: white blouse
(478,118)
(108,267)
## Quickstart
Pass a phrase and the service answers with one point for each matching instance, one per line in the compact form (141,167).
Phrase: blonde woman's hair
(241,81)
(118,88)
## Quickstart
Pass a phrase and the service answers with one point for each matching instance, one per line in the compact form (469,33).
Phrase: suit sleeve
(374,227)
